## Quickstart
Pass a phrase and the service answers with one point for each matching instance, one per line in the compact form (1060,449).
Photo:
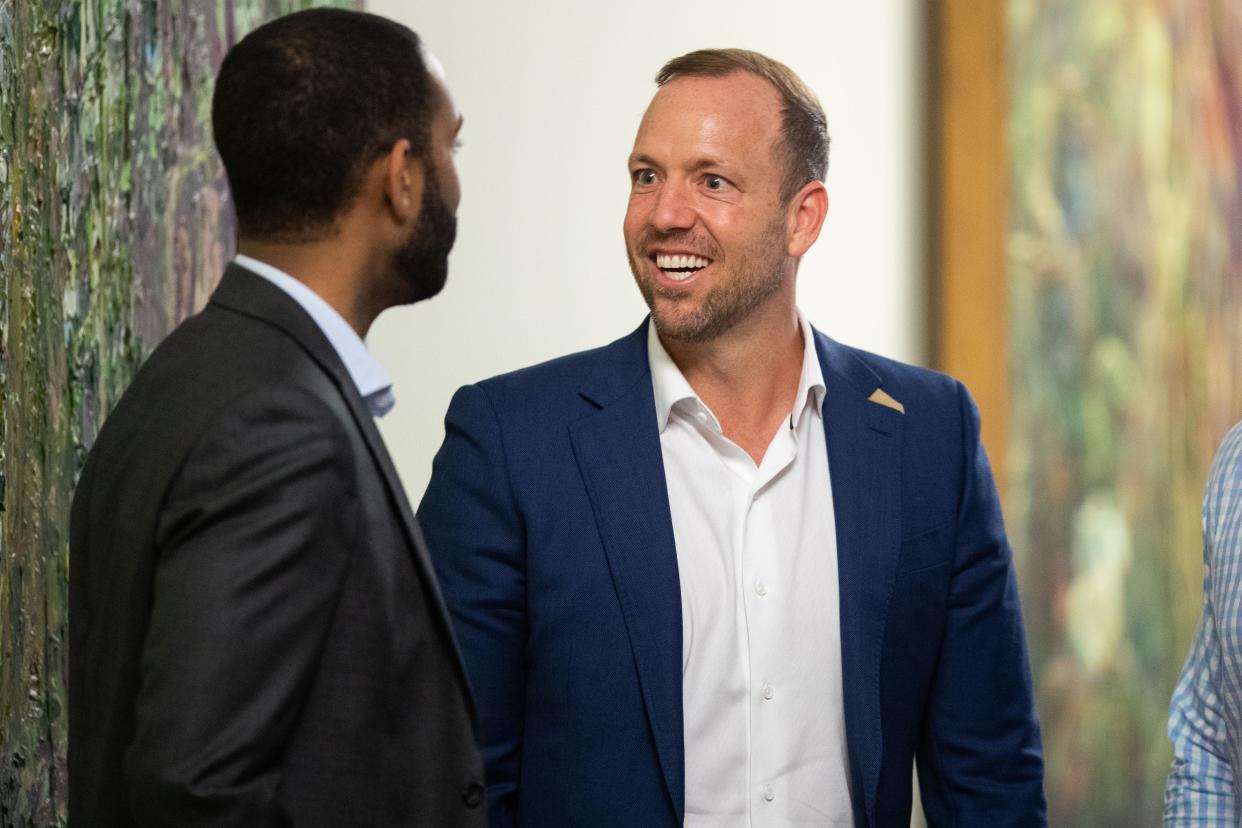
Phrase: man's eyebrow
(699,164)
(706,163)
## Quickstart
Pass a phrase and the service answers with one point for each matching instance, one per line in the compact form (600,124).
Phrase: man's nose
(674,209)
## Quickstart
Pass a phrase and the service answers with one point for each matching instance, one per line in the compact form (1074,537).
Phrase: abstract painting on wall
(1125,277)
(114,226)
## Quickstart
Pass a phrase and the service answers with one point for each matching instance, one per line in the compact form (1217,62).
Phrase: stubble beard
(751,281)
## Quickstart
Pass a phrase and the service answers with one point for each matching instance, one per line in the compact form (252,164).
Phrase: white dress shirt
(761,638)
(368,375)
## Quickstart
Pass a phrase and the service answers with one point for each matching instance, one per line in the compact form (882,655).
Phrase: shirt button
(768,793)
(768,692)
(761,588)
(701,416)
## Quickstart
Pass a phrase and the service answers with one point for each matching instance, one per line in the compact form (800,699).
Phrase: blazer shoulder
(210,362)
(220,348)
(550,375)
(904,381)
(939,417)
(565,383)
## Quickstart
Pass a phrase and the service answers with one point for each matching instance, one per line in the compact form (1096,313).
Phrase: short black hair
(304,104)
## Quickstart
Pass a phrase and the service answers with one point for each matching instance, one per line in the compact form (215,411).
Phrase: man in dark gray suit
(256,635)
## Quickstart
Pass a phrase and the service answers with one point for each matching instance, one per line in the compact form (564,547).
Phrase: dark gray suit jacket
(256,634)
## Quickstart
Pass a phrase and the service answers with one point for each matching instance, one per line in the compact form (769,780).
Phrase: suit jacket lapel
(864,451)
(252,295)
(619,456)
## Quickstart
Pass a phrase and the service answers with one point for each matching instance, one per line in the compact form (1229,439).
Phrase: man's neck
(748,376)
(329,268)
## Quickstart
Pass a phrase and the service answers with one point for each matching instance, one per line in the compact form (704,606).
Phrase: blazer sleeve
(476,537)
(980,759)
(253,541)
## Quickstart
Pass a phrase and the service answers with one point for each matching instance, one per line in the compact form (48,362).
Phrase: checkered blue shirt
(1205,715)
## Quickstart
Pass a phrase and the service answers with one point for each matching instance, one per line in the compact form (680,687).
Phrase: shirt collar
(670,386)
(811,383)
(368,375)
(667,381)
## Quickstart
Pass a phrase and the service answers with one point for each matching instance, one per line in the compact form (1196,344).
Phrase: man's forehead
(434,67)
(436,70)
(718,114)
(738,91)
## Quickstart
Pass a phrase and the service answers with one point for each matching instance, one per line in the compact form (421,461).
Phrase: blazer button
(472,795)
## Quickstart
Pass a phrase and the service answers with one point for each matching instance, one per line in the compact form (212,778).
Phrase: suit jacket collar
(251,295)
(620,458)
(618,451)
(368,375)
(864,453)
(618,368)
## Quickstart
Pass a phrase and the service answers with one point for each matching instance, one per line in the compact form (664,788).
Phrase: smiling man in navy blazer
(726,571)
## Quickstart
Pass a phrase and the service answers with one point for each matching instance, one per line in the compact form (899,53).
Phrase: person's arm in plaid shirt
(1200,787)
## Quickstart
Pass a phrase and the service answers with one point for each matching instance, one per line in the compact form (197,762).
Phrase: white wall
(552,93)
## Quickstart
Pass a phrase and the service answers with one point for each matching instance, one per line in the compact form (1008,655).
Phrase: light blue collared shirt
(1205,715)
(368,375)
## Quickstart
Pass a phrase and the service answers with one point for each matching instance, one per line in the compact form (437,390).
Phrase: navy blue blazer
(548,521)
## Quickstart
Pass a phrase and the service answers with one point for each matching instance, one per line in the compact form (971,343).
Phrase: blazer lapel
(864,451)
(619,456)
(252,295)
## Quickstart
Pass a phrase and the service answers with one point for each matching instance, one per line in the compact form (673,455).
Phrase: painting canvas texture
(114,225)
(1124,266)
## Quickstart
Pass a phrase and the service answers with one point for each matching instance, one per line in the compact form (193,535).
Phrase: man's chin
(417,280)
(677,327)
(429,284)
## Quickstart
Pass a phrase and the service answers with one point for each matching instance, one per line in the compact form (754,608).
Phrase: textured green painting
(1125,269)
(114,225)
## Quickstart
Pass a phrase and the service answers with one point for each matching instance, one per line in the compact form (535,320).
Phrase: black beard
(422,264)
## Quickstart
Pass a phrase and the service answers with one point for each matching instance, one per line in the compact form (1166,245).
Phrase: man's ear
(808,208)
(403,181)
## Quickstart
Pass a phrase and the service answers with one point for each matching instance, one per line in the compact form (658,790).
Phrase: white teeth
(680,262)
(679,276)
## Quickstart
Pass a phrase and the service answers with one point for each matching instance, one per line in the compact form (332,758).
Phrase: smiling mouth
(680,267)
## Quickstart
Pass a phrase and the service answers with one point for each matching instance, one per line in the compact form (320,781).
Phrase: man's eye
(645,177)
(715,182)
